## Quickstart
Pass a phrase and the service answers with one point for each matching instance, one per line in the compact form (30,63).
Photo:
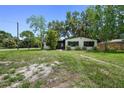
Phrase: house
(116,44)
(61,44)
(81,42)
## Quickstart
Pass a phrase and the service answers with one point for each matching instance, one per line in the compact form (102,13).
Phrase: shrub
(77,48)
(37,42)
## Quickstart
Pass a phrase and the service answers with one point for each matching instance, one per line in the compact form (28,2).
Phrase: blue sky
(9,15)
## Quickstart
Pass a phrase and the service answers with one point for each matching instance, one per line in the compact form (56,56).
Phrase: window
(73,43)
(89,43)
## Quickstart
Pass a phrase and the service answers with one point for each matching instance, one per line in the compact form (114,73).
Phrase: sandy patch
(34,72)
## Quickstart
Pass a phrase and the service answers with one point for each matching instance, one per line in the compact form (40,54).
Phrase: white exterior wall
(45,46)
(81,41)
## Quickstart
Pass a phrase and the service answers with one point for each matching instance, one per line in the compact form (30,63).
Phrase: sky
(9,15)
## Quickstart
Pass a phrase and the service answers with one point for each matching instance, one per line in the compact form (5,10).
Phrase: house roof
(117,40)
(114,41)
(79,38)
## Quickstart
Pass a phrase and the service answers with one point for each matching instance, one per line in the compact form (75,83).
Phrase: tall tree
(37,23)
(58,26)
(120,19)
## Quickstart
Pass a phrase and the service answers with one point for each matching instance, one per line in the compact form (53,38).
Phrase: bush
(37,42)
(68,48)
(9,43)
(77,48)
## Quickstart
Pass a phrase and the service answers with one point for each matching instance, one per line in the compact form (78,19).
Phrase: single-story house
(116,44)
(61,44)
(81,42)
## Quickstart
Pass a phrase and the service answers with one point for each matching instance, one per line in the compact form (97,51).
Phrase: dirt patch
(35,72)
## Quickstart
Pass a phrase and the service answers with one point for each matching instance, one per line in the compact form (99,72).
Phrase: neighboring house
(81,42)
(116,44)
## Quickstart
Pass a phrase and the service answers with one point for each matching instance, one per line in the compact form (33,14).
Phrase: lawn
(36,68)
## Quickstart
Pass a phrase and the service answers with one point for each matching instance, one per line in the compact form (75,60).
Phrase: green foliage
(97,22)
(58,26)
(27,34)
(37,23)
(28,38)
(37,42)
(9,43)
(4,35)
(52,39)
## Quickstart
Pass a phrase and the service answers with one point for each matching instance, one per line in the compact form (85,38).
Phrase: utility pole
(17,35)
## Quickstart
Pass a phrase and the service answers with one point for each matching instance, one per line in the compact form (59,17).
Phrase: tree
(4,35)
(72,23)
(37,42)
(9,43)
(88,22)
(37,23)
(120,17)
(28,37)
(52,38)
(58,26)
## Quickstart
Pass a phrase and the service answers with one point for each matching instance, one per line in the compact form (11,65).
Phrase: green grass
(115,58)
(76,70)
